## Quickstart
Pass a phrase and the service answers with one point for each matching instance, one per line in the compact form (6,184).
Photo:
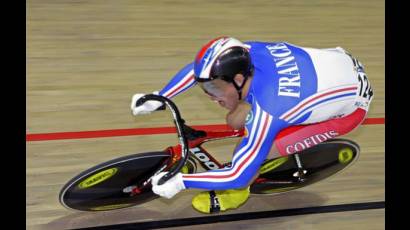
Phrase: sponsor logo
(271,165)
(97,178)
(204,158)
(362,105)
(249,117)
(345,155)
(310,141)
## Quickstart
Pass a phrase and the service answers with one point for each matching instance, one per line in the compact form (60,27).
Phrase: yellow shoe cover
(211,202)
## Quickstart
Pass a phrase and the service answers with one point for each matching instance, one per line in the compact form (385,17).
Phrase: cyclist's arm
(182,81)
(248,157)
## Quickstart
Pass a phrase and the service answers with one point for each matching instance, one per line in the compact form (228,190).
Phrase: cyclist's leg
(288,141)
(298,138)
(301,137)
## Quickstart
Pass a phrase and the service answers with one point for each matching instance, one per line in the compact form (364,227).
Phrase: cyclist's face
(222,92)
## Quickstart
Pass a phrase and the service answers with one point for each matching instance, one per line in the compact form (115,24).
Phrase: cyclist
(287,98)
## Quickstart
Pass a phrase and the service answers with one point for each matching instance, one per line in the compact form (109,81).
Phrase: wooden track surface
(85,59)
(370,219)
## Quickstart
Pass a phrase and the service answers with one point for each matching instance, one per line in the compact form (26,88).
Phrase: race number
(365,90)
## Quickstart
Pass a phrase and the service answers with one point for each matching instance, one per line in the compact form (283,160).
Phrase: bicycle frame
(207,161)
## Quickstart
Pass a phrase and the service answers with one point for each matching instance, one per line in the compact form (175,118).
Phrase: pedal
(296,174)
(129,189)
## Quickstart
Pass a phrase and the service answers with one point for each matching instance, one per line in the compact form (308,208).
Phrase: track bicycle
(126,181)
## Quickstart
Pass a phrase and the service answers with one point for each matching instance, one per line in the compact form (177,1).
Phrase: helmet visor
(212,88)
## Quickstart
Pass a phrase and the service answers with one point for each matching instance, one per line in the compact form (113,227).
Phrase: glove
(169,188)
(147,107)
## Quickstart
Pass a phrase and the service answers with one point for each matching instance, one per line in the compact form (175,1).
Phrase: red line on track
(140,131)
(373,121)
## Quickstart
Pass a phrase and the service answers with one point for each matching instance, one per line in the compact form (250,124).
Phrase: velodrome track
(85,59)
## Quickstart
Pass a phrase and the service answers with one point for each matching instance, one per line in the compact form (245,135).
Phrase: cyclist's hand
(145,108)
(169,188)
